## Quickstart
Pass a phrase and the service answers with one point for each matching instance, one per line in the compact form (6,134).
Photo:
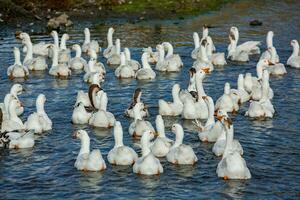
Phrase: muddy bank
(135,10)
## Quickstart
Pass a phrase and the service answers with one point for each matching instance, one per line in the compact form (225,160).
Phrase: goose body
(88,160)
(171,108)
(160,147)
(139,126)
(211,131)
(80,115)
(124,70)
(39,121)
(121,154)
(274,67)
(179,153)
(294,59)
(12,122)
(111,48)
(88,43)
(77,63)
(137,99)
(17,140)
(17,70)
(60,70)
(102,118)
(225,102)
(232,165)
(198,109)
(146,72)
(147,164)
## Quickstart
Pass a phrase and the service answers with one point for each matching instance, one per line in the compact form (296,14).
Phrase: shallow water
(271,147)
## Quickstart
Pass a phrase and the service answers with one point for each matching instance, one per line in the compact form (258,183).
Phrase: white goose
(211,130)
(55,37)
(121,154)
(92,72)
(110,50)
(203,61)
(77,63)
(179,153)
(171,57)
(267,54)
(135,65)
(191,91)
(98,66)
(232,165)
(242,51)
(160,147)
(171,108)
(196,50)
(205,36)
(139,126)
(216,58)
(153,56)
(115,59)
(12,122)
(88,44)
(146,72)
(17,70)
(60,70)
(294,59)
(226,102)
(102,118)
(39,120)
(86,160)
(80,115)
(38,63)
(147,164)
(64,55)
(262,108)
(124,70)
(274,67)
(240,91)
(17,140)
(219,146)
(15,90)
(39,49)
(136,98)
(198,109)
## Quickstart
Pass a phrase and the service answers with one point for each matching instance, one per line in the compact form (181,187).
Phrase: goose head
(196,40)
(178,131)
(227,88)
(17,89)
(270,36)
(221,115)
(145,142)
(80,134)
(295,46)
(192,72)
(240,82)
(137,95)
(204,31)
(87,33)
(234,33)
(127,54)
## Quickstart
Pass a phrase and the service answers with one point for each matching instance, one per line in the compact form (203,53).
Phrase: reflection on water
(271,147)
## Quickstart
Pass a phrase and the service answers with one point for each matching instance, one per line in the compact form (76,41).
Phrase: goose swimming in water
(226,102)
(77,63)
(86,160)
(17,140)
(39,49)
(124,70)
(35,64)
(294,59)
(153,56)
(232,165)
(39,121)
(121,154)
(88,44)
(17,70)
(274,67)
(139,126)
(146,72)
(15,90)
(181,154)
(111,48)
(147,164)
(136,98)
(160,147)
(267,54)
(115,58)
(64,55)
(171,108)
(60,70)
(135,65)
(203,61)
(12,122)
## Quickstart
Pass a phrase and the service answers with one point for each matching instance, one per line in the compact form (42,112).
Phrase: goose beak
(206,70)
(155,134)
(74,136)
(219,118)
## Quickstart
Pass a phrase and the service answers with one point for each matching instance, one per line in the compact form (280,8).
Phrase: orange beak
(206,70)
(219,117)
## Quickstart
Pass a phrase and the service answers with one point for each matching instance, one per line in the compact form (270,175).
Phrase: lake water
(271,148)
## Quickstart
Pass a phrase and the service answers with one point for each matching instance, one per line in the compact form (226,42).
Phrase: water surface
(271,147)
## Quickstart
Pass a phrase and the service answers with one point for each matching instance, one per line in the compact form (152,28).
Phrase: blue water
(271,147)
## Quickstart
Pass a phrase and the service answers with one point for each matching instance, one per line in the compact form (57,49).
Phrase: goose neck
(85,145)
(229,140)
(145,144)
(118,136)
(179,137)
(17,56)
